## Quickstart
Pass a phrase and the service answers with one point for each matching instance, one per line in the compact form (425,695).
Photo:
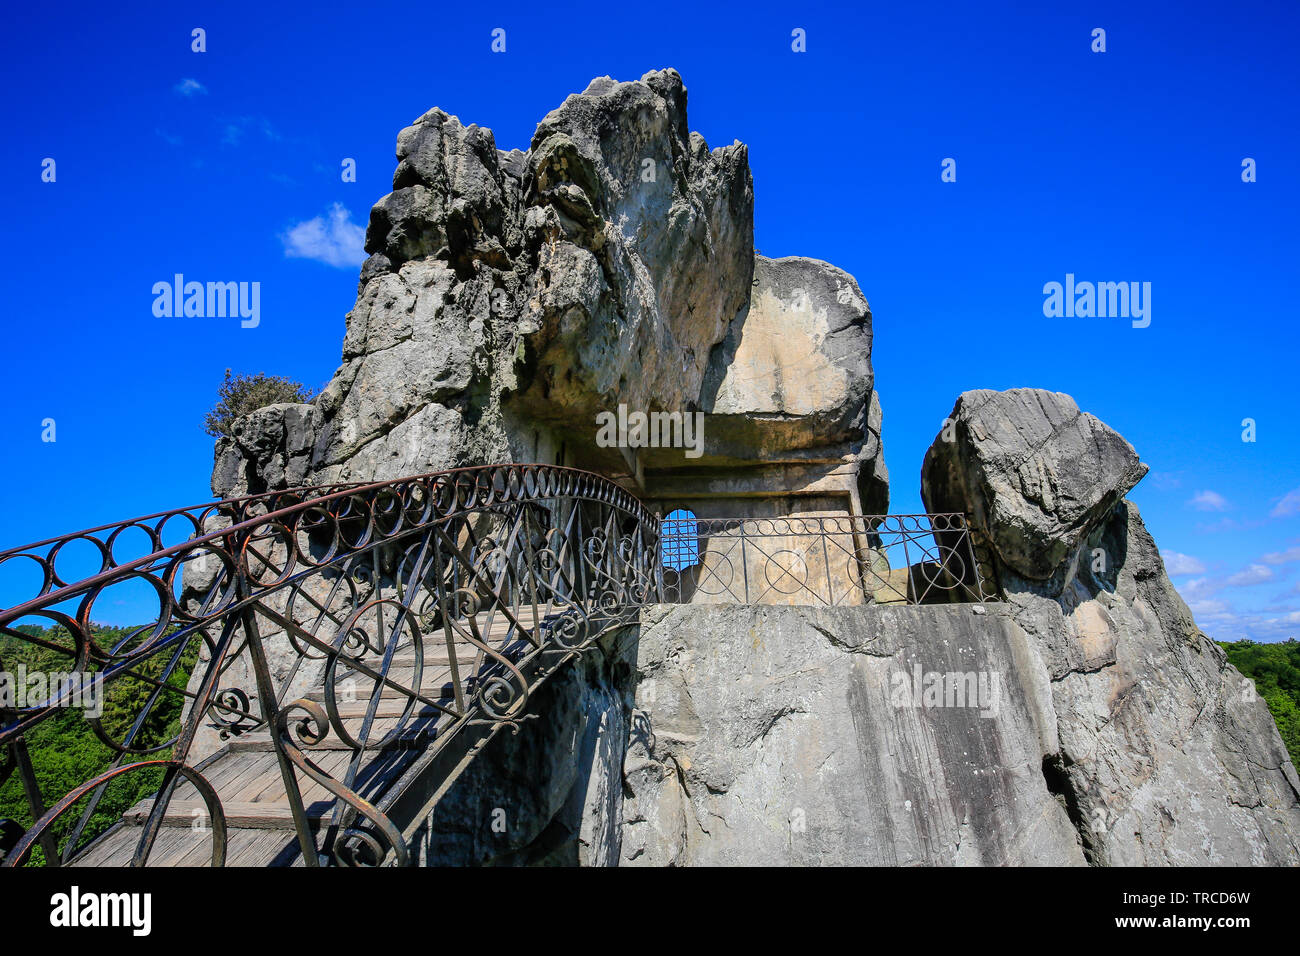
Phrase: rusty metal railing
(381,619)
(366,640)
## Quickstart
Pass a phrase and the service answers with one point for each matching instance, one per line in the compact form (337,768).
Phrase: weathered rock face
(1166,755)
(782,735)
(794,370)
(511,297)
(1030,469)
(511,291)
(657,248)
(792,380)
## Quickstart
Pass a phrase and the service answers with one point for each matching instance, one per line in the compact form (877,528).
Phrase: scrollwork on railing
(338,627)
(308,653)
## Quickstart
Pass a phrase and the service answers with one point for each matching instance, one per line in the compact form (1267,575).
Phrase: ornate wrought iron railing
(372,624)
(823,560)
(346,649)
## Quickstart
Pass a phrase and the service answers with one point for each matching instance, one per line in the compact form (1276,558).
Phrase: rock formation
(509,297)
(1166,756)
(792,382)
(1100,725)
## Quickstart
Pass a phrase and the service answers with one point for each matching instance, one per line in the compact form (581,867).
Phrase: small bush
(241,394)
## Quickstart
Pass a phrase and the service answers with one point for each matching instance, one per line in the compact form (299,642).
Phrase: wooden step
(182,846)
(247,777)
(388,707)
(244,813)
(262,743)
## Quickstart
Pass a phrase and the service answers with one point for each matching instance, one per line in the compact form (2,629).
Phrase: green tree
(1275,669)
(241,394)
(64,749)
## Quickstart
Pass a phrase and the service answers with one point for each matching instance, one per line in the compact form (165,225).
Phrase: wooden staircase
(246,772)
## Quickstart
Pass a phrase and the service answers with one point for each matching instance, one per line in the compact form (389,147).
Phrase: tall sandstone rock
(1166,756)
(511,296)
(508,294)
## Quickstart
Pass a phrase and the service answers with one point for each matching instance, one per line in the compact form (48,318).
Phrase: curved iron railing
(353,622)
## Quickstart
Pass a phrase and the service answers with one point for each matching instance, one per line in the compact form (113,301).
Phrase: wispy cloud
(234,130)
(1197,589)
(1166,480)
(168,138)
(1209,501)
(1289,505)
(1253,574)
(190,87)
(1282,557)
(1176,564)
(1206,608)
(333,239)
(1223,622)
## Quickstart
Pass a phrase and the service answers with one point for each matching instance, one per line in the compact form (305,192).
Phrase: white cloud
(1224,623)
(189,87)
(1289,505)
(1254,574)
(1176,564)
(333,239)
(1208,501)
(1199,589)
(1282,557)
(1209,609)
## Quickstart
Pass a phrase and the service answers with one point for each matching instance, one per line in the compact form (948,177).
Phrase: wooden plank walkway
(248,780)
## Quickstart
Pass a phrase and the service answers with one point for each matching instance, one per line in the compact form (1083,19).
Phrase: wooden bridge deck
(247,777)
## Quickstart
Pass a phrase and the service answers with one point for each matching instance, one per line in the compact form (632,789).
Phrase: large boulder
(642,248)
(793,375)
(1032,471)
(1165,755)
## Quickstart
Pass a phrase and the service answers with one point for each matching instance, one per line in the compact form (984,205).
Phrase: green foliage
(241,394)
(1275,669)
(64,749)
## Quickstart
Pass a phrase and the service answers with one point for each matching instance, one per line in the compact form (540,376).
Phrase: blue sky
(1115,166)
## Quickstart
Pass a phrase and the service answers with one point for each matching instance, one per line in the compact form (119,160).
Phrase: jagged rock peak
(510,297)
